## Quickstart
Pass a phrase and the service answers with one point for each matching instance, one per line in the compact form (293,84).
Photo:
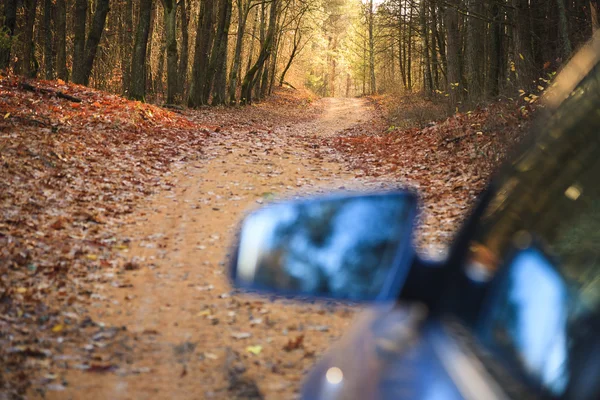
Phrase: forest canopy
(200,52)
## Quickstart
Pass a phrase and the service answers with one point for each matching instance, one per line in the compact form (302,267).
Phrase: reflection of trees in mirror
(343,247)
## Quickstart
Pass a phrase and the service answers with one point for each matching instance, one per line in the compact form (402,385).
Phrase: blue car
(513,312)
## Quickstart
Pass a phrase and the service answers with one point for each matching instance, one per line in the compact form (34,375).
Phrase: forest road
(188,336)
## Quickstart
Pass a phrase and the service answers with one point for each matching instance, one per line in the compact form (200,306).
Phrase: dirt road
(188,334)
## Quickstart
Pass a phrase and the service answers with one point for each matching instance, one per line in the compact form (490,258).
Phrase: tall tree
(139,74)
(243,10)
(204,39)
(296,46)
(475,50)
(170,22)
(48,43)
(523,54)
(219,54)
(127,49)
(370,18)
(184,59)
(261,37)
(563,28)
(150,82)
(265,52)
(428,82)
(82,67)
(79,30)
(61,40)
(8,29)
(434,46)
(252,40)
(30,64)
(453,53)
(495,50)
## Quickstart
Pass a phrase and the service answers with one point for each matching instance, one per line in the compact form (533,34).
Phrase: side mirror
(352,247)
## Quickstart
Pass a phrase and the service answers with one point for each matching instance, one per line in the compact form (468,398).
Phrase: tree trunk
(364,66)
(91,44)
(434,58)
(401,52)
(204,38)
(371,49)
(263,32)
(265,51)
(453,54)
(219,63)
(428,80)
(523,54)
(297,39)
(160,70)
(30,64)
(61,40)
(409,54)
(126,54)
(149,75)
(393,60)
(495,51)
(264,79)
(252,36)
(170,22)
(79,27)
(475,51)
(48,44)
(237,54)
(563,28)
(10,21)
(183,60)
(439,37)
(139,73)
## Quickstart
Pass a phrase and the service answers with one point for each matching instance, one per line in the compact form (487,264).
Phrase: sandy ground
(189,334)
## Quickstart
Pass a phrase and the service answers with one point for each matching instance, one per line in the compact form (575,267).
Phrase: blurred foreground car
(512,313)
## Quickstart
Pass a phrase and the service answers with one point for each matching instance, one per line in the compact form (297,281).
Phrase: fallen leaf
(295,343)
(101,367)
(241,335)
(254,349)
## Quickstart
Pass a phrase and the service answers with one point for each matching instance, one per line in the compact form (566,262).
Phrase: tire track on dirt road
(190,332)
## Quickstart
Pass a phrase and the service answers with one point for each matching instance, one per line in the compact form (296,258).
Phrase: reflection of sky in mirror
(343,247)
(537,321)
(357,228)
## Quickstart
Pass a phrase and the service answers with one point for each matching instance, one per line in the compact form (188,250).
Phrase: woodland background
(198,52)
(81,169)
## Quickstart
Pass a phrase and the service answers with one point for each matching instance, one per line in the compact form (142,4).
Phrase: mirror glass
(349,247)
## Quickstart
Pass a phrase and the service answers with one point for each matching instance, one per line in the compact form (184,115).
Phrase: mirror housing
(354,247)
